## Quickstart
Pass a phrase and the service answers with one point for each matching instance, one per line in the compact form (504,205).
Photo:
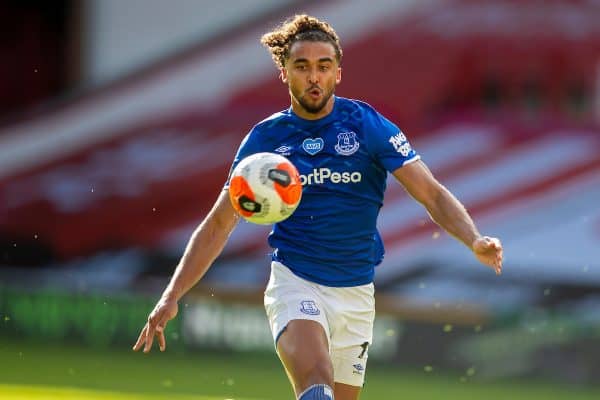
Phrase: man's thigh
(346,392)
(351,314)
(288,298)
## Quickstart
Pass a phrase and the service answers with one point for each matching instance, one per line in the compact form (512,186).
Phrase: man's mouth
(314,92)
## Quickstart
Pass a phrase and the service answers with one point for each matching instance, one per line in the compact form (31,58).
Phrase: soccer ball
(265,188)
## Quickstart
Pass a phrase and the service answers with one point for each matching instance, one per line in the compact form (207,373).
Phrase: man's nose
(313,77)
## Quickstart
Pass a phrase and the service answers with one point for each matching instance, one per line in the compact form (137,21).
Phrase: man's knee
(303,349)
(316,372)
(307,366)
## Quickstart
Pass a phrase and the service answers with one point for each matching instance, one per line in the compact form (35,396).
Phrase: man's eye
(324,68)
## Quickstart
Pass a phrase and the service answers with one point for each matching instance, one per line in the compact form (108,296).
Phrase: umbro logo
(358,369)
(284,150)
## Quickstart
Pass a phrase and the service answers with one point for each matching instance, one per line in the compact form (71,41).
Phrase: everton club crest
(347,143)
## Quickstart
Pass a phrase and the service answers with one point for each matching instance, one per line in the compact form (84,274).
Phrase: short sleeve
(387,142)
(248,146)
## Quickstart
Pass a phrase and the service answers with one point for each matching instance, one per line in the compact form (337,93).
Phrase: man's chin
(313,108)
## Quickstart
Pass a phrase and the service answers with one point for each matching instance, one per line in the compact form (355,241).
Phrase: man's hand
(488,251)
(164,311)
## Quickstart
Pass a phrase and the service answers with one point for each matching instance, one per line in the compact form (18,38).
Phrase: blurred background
(118,123)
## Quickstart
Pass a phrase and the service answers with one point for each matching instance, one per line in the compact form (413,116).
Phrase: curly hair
(298,28)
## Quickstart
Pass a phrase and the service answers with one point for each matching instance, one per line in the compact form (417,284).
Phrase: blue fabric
(343,159)
(317,392)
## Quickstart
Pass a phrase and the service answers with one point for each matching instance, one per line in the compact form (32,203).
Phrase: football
(265,188)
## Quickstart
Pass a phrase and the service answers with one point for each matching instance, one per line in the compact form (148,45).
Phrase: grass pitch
(19,392)
(46,371)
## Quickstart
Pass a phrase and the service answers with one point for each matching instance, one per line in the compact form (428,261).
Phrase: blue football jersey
(343,159)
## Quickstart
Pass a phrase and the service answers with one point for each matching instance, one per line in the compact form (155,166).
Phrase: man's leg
(346,392)
(349,364)
(303,348)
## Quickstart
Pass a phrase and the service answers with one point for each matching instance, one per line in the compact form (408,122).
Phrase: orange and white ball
(265,188)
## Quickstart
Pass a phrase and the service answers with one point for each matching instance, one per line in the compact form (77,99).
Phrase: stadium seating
(495,116)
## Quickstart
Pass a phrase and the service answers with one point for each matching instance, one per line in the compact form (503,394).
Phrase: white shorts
(346,314)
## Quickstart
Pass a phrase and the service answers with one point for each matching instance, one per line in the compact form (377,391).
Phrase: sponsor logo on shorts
(309,307)
(358,369)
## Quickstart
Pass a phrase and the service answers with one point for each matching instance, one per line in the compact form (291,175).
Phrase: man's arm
(448,212)
(204,246)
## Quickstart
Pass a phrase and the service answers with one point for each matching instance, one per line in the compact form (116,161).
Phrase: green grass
(21,392)
(37,371)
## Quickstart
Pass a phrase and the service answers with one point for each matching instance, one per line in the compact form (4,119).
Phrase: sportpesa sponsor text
(323,175)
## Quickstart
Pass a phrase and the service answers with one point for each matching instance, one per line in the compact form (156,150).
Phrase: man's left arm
(449,213)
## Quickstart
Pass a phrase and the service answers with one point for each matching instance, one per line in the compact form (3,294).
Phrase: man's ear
(338,78)
(283,75)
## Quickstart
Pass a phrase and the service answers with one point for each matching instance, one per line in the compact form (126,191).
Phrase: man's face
(312,73)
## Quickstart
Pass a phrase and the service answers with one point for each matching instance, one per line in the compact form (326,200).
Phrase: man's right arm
(205,244)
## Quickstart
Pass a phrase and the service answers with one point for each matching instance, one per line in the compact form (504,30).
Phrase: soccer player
(320,295)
